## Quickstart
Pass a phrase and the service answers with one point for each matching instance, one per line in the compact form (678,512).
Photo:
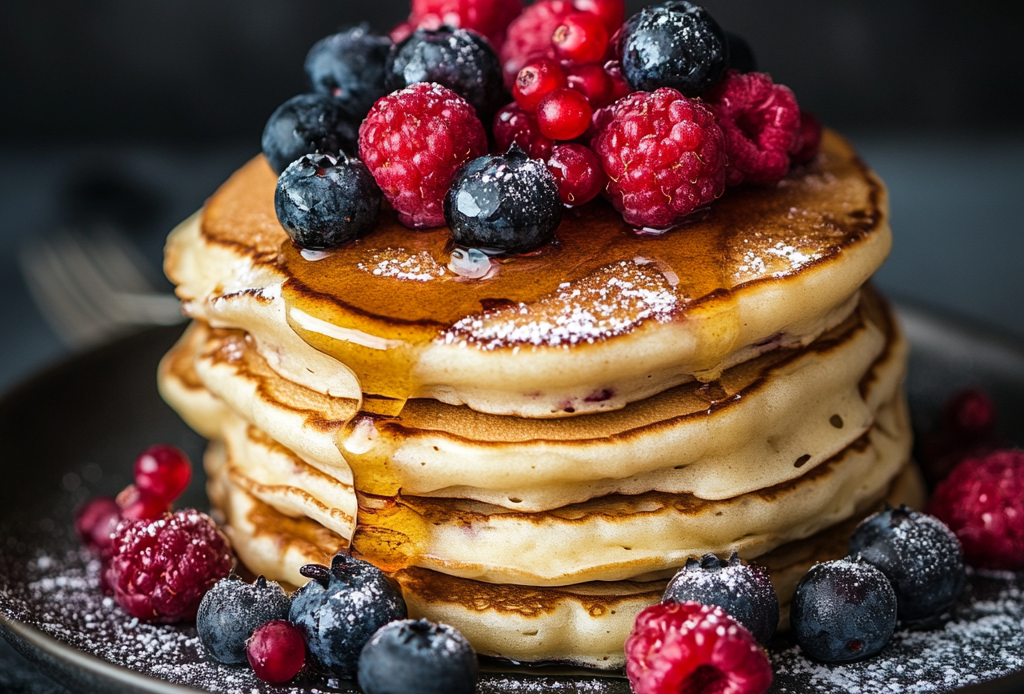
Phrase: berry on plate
(689,647)
(919,555)
(808,141)
(306,124)
(417,656)
(160,570)
(341,608)
(413,141)
(564,114)
(506,202)
(232,610)
(529,35)
(664,156)
(581,38)
(745,592)
(761,123)
(536,80)
(350,67)
(325,201)
(95,522)
(460,60)
(611,12)
(843,611)
(276,651)
(577,170)
(489,18)
(163,471)
(514,125)
(675,44)
(138,505)
(982,501)
(590,80)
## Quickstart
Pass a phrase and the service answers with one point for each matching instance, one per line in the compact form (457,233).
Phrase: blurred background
(119,117)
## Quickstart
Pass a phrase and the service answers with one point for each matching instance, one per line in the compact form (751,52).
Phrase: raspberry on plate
(982,501)
(689,647)
(160,570)
(413,142)
(761,123)
(664,155)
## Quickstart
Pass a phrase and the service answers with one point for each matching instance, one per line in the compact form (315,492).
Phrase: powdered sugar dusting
(403,264)
(616,299)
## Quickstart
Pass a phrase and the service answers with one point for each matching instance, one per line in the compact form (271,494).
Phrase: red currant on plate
(578,172)
(564,114)
(590,80)
(581,37)
(537,80)
(276,651)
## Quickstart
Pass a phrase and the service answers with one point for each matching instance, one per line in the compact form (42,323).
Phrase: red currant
(581,37)
(611,12)
(276,651)
(535,81)
(513,124)
(96,520)
(139,505)
(591,81)
(163,471)
(564,114)
(578,172)
(620,87)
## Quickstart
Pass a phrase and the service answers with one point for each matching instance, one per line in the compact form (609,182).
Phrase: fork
(92,287)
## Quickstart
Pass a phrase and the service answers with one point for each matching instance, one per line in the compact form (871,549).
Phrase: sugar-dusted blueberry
(417,656)
(675,44)
(742,590)
(306,124)
(843,611)
(460,60)
(341,608)
(232,610)
(324,201)
(505,202)
(919,555)
(350,67)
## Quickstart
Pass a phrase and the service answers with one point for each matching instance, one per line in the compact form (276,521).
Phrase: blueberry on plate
(306,124)
(919,555)
(506,202)
(458,59)
(676,44)
(843,611)
(417,656)
(324,201)
(341,608)
(350,67)
(232,610)
(744,591)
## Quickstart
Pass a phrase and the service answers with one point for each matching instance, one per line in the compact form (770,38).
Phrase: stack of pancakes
(532,454)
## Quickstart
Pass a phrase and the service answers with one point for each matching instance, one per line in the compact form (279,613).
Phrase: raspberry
(489,18)
(581,38)
(413,141)
(590,80)
(689,647)
(163,471)
(536,80)
(529,35)
(95,521)
(160,570)
(564,114)
(664,155)
(578,172)
(276,651)
(982,501)
(807,143)
(514,125)
(761,122)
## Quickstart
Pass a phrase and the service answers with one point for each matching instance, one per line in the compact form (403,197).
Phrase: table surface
(959,239)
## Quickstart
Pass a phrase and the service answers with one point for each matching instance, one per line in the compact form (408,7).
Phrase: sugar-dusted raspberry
(761,122)
(689,647)
(577,170)
(664,155)
(529,36)
(808,142)
(489,18)
(982,501)
(160,570)
(413,141)
(515,125)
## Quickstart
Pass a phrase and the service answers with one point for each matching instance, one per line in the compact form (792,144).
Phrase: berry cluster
(659,112)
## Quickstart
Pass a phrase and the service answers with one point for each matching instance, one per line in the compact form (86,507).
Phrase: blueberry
(675,44)
(341,608)
(305,124)
(505,202)
(324,201)
(350,67)
(417,656)
(745,592)
(741,55)
(458,59)
(919,555)
(232,610)
(842,611)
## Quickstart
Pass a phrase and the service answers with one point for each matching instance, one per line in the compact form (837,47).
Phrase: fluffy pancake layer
(600,319)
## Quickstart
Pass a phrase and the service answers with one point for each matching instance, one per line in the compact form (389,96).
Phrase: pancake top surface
(599,279)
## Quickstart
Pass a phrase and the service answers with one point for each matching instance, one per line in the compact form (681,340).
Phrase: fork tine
(120,261)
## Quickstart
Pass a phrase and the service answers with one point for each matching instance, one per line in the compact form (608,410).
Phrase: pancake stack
(533,450)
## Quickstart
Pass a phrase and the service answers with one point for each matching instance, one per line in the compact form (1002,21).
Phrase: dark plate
(73,432)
